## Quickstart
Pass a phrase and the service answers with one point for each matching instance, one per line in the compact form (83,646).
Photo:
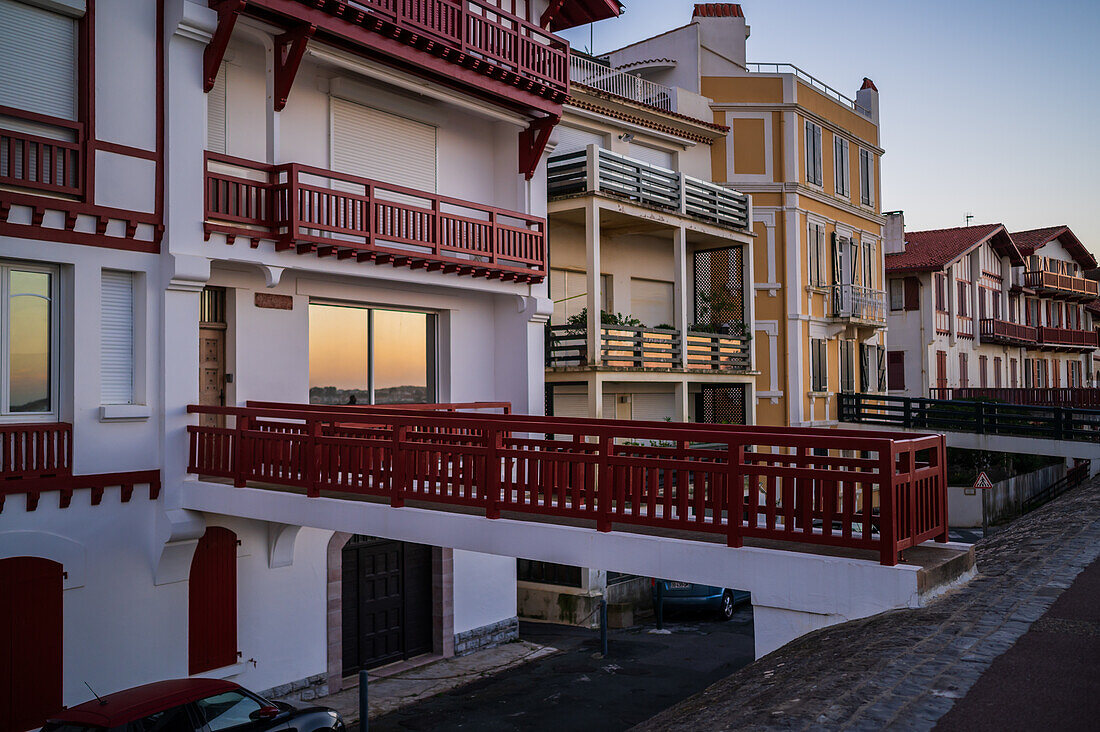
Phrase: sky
(986,107)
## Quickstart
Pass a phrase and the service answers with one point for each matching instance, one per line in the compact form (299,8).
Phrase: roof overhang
(1072,245)
(565,14)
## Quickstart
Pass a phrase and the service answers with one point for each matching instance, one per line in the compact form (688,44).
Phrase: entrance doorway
(212,354)
(31,626)
(386,601)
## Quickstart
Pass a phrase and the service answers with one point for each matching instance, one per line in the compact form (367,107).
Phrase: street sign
(983,481)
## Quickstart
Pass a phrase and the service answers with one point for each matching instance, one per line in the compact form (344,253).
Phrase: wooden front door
(31,626)
(386,602)
(212,373)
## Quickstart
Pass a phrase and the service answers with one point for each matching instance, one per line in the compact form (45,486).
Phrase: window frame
(866,177)
(815,235)
(842,181)
(54,271)
(815,165)
(819,365)
(897,288)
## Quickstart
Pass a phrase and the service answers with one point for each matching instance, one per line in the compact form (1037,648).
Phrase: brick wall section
(487,636)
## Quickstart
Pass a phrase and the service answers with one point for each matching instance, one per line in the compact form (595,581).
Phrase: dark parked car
(190,705)
(685,595)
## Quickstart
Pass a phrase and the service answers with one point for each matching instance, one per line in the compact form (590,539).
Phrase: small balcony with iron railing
(1061,286)
(858,305)
(627,348)
(812,82)
(316,211)
(596,170)
(594,74)
(1005,333)
(1066,339)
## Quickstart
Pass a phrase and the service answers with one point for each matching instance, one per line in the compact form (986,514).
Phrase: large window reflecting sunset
(28,331)
(360,355)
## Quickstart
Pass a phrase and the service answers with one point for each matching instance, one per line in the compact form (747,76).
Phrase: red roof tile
(1033,239)
(933,250)
(718,10)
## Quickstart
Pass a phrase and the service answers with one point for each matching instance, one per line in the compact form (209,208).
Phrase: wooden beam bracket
(212,55)
(532,141)
(289,49)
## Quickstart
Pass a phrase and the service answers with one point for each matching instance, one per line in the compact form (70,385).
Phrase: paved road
(577,689)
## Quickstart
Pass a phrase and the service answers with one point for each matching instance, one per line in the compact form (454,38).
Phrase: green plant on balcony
(580,320)
(720,312)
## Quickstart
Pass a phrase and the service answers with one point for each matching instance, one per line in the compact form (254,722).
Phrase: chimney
(723,30)
(895,232)
(867,98)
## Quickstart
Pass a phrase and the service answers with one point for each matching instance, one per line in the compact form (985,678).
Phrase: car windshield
(224,711)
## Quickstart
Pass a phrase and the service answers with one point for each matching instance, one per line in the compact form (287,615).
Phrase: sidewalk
(397,685)
(907,669)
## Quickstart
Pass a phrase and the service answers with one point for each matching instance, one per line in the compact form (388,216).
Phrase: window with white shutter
(116,347)
(385,147)
(38,68)
(571,139)
(651,155)
(215,113)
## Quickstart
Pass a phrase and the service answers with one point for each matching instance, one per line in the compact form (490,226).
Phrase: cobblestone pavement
(904,670)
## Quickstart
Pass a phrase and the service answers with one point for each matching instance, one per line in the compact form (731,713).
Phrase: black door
(387,602)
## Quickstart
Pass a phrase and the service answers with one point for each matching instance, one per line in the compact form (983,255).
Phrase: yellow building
(809,157)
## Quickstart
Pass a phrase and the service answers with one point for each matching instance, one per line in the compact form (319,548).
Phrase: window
(227,710)
(941,369)
(897,294)
(963,309)
(840,165)
(964,373)
(817,255)
(866,178)
(997,371)
(1029,373)
(212,602)
(941,292)
(374,144)
(38,60)
(28,337)
(569,291)
(819,365)
(847,367)
(983,362)
(116,338)
(872,368)
(813,153)
(360,355)
(868,264)
(1013,374)
(529,570)
(895,367)
(175,719)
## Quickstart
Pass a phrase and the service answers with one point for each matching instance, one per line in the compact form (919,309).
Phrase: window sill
(822,394)
(124,412)
(224,672)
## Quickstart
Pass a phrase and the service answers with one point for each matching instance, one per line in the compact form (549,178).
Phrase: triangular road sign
(983,481)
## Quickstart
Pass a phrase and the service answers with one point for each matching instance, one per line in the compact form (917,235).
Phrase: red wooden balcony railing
(1001,331)
(1078,397)
(1067,337)
(36,450)
(1078,287)
(317,210)
(875,491)
(38,162)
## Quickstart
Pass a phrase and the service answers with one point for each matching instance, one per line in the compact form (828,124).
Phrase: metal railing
(596,169)
(1068,337)
(313,209)
(1085,398)
(39,162)
(647,348)
(812,82)
(822,487)
(1001,331)
(1074,477)
(599,76)
(858,302)
(1052,423)
(1061,284)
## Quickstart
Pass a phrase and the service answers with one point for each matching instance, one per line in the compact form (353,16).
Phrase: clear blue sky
(987,106)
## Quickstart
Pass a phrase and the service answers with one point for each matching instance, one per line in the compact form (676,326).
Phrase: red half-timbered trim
(532,141)
(33,488)
(228,12)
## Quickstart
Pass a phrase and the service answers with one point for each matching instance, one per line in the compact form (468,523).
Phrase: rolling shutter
(384,147)
(215,113)
(653,407)
(212,602)
(37,60)
(651,155)
(571,139)
(116,347)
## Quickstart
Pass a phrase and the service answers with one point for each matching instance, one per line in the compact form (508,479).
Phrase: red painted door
(30,642)
(212,602)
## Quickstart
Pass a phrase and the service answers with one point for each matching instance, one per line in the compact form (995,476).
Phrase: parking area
(644,672)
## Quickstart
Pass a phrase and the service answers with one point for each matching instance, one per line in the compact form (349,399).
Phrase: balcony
(474,43)
(317,211)
(1060,285)
(595,170)
(1005,333)
(858,305)
(640,349)
(601,77)
(49,162)
(1066,339)
(1067,397)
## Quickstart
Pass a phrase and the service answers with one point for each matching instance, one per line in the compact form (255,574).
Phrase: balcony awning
(564,14)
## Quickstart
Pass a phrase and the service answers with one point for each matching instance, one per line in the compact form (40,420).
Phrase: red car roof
(140,701)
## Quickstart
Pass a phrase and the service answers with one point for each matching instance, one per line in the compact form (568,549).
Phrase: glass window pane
(403,357)
(29,342)
(338,355)
(227,710)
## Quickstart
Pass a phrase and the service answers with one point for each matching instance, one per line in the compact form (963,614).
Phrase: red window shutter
(912,293)
(212,602)
(31,626)
(895,367)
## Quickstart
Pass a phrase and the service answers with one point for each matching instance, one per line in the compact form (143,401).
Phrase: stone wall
(486,636)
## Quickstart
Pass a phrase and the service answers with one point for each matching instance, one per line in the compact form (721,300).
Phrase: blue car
(685,595)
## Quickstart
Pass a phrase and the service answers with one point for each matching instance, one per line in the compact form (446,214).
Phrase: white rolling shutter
(215,113)
(570,139)
(653,407)
(37,60)
(382,146)
(571,405)
(116,346)
(651,155)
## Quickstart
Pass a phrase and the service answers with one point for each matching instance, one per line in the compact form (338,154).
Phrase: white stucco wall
(484,589)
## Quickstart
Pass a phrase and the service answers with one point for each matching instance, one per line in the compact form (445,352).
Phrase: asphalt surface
(578,689)
(1050,679)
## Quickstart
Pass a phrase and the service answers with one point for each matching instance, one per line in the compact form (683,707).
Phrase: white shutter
(116,346)
(651,155)
(215,113)
(37,60)
(383,146)
(571,139)
(571,405)
(651,302)
(653,407)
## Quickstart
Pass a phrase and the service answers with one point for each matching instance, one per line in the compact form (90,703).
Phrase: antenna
(97,696)
(969,216)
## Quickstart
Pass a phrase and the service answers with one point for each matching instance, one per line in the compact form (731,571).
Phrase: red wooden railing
(876,491)
(1042,279)
(314,209)
(36,450)
(1082,398)
(41,163)
(1001,330)
(1067,337)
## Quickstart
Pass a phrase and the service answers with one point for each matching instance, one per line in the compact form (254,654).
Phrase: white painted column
(592,261)
(680,289)
(681,412)
(595,397)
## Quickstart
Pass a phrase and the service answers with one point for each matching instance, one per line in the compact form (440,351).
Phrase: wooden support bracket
(212,56)
(532,141)
(289,49)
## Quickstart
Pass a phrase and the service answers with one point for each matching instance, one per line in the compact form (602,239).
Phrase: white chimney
(895,232)
(867,98)
(723,30)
